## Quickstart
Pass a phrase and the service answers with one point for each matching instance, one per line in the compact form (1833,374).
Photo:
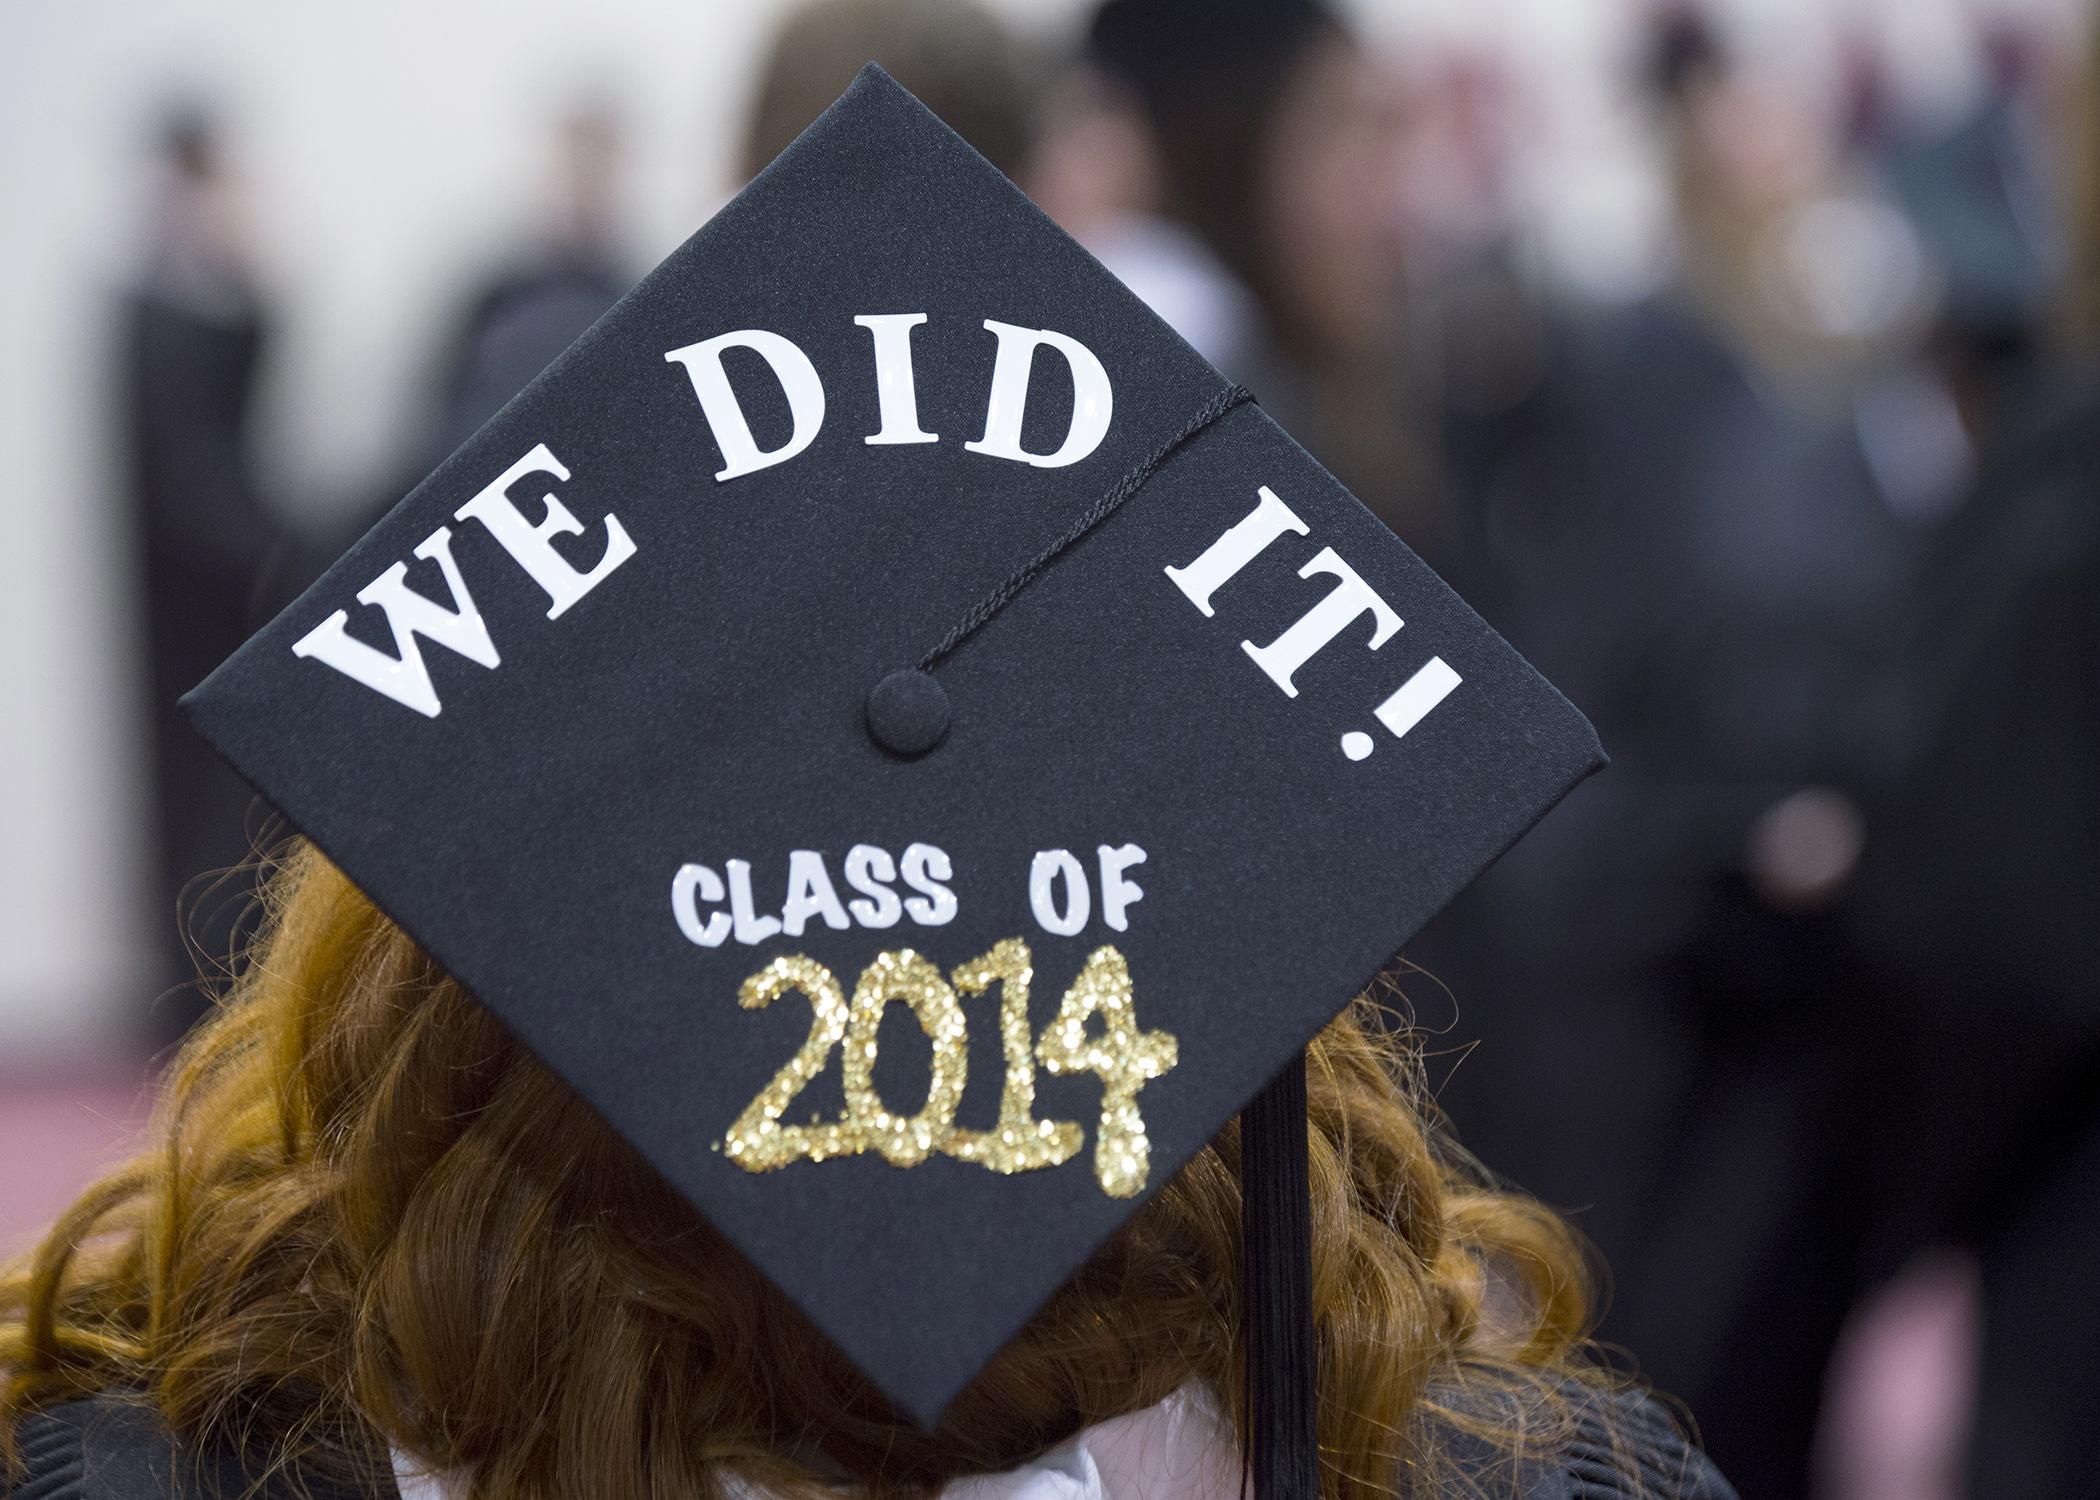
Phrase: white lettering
(810,894)
(698,881)
(924,869)
(1237,547)
(531,546)
(798,381)
(1282,657)
(405,678)
(894,387)
(1049,866)
(869,871)
(1408,706)
(1092,400)
(1118,891)
(750,927)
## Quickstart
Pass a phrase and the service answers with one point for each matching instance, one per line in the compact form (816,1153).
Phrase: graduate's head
(369,1216)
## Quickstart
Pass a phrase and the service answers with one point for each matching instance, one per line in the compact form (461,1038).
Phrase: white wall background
(390,144)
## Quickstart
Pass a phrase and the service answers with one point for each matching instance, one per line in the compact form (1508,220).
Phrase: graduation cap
(878,618)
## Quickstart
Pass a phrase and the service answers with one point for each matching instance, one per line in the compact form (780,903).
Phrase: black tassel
(1282,1353)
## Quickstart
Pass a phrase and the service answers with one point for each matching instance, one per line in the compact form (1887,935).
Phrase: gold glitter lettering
(903,975)
(1019,1142)
(1122,1056)
(758,1142)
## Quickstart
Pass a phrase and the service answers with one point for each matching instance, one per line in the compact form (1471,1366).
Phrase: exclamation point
(1430,685)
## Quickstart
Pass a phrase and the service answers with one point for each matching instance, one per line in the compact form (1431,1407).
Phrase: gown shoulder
(116,1447)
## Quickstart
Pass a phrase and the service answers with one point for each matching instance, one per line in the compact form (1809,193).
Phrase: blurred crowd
(1798,996)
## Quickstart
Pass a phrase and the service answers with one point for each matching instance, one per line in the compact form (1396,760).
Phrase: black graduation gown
(109,1448)
(1981,901)
(1706,573)
(190,349)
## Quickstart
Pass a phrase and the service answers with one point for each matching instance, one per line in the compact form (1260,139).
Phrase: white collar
(1181,1449)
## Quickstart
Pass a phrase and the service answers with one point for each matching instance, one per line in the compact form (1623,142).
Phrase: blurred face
(1750,145)
(1329,198)
(209,210)
(1094,160)
(586,175)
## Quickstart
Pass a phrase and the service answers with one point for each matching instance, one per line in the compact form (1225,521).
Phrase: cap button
(908,712)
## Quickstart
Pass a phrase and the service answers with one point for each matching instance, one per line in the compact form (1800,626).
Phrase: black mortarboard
(880,605)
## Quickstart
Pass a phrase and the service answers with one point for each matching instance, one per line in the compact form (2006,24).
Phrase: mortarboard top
(1174,745)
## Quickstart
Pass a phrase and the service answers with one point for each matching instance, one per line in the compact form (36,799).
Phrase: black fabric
(1698,1076)
(117,1448)
(908,712)
(1110,502)
(202,539)
(1281,1348)
(1623,1447)
(1612,1445)
(510,328)
(1626,1445)
(1981,902)
(707,703)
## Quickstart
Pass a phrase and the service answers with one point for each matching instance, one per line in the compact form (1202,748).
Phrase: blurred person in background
(544,295)
(1265,222)
(531,301)
(1679,1035)
(1096,169)
(1479,314)
(192,336)
(954,54)
(1640,506)
(1667,504)
(1980,896)
(1787,247)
